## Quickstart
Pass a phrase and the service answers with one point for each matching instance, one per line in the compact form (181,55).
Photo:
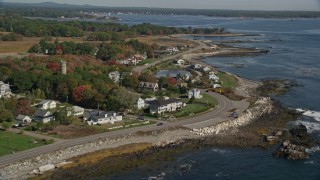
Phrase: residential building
(75,111)
(162,106)
(140,57)
(213,77)
(140,104)
(180,62)
(22,119)
(194,93)
(149,85)
(94,117)
(205,69)
(4,89)
(43,116)
(172,49)
(212,72)
(47,104)
(196,66)
(115,76)
(216,86)
(147,101)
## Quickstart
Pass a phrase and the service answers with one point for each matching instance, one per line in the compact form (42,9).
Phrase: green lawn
(207,99)
(229,81)
(191,109)
(12,142)
(146,61)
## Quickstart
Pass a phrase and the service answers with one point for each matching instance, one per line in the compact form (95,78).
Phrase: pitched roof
(45,101)
(42,113)
(21,117)
(163,102)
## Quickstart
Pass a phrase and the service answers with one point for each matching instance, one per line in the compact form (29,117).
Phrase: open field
(229,81)
(165,41)
(12,142)
(192,109)
(24,45)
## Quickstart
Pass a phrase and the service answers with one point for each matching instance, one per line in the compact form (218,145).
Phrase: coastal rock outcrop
(291,151)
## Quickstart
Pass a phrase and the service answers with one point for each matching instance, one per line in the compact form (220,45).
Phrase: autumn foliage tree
(24,107)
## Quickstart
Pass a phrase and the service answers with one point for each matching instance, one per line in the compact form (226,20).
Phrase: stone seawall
(262,106)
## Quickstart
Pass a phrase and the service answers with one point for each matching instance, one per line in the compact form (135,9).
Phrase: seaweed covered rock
(291,151)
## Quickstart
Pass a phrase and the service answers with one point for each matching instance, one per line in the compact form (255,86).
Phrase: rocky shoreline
(263,119)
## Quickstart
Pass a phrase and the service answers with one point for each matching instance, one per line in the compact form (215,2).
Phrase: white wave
(313,114)
(309,162)
(220,151)
(311,126)
(313,149)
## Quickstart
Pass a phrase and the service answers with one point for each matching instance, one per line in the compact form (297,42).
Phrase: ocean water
(295,54)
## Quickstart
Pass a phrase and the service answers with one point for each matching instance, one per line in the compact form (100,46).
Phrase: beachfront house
(205,69)
(149,85)
(43,116)
(214,86)
(194,93)
(4,89)
(47,104)
(115,76)
(162,106)
(196,66)
(22,119)
(213,77)
(94,117)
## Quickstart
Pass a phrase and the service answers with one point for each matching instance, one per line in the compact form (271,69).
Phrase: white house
(75,111)
(172,49)
(149,85)
(140,103)
(196,66)
(213,77)
(43,116)
(4,89)
(101,117)
(205,69)
(162,106)
(216,86)
(212,72)
(115,76)
(195,93)
(180,62)
(22,119)
(47,104)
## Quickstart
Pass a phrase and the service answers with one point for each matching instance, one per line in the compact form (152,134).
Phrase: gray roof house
(43,116)
(162,106)
(94,117)
(22,119)
(47,104)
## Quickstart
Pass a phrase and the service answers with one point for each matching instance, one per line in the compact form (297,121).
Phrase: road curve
(223,107)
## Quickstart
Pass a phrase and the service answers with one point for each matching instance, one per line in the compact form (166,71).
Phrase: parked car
(160,124)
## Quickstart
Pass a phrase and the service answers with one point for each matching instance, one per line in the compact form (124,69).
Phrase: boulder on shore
(47,167)
(291,151)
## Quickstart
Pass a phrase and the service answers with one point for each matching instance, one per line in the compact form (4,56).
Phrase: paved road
(141,68)
(224,105)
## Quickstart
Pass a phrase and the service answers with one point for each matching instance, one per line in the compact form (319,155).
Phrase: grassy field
(191,109)
(207,99)
(24,45)
(12,142)
(229,81)
(165,41)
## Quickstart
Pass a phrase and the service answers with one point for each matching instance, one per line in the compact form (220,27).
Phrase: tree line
(96,31)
